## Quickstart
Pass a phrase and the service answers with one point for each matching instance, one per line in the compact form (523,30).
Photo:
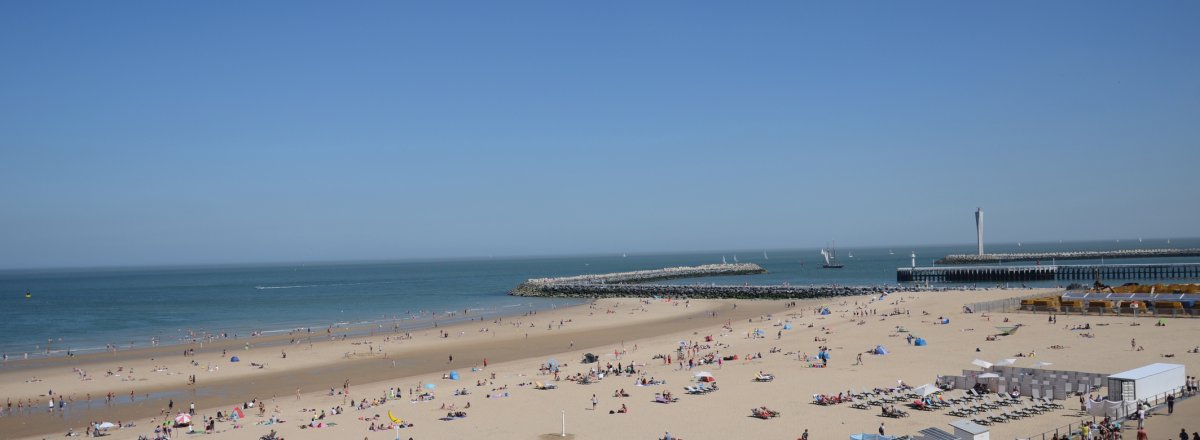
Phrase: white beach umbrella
(925,390)
(1006,362)
(183,419)
(704,374)
(105,425)
(981,363)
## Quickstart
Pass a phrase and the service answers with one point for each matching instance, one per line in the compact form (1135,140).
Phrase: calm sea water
(84,310)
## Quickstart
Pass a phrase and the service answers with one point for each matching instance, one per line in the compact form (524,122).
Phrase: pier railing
(967,274)
(1081,255)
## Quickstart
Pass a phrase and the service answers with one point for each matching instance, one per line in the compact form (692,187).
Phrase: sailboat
(765,257)
(735,259)
(723,260)
(890,252)
(830,255)
(851,254)
(624,255)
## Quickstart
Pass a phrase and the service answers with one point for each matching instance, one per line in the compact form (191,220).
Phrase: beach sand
(637,331)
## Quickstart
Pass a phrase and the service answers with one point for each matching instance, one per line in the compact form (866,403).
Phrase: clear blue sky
(208,132)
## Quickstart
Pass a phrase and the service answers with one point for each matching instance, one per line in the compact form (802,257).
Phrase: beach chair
(1052,404)
(995,418)
(859,404)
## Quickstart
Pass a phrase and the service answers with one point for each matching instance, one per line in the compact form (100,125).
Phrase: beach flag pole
(564,423)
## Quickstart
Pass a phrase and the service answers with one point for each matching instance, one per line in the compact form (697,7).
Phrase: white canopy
(1006,362)
(981,363)
(925,390)
(988,375)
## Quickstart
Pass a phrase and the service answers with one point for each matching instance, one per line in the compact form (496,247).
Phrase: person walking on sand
(804,436)
(1170,404)
(881,430)
(594,402)
(1133,344)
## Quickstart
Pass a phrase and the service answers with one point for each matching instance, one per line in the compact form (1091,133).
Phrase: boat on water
(28,295)
(830,254)
(735,259)
(765,257)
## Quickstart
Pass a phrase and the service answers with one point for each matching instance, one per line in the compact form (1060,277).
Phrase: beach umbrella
(183,419)
(981,363)
(787,326)
(925,390)
(988,375)
(430,386)
(704,374)
(234,359)
(105,425)
(1040,364)
(1006,362)
(454,375)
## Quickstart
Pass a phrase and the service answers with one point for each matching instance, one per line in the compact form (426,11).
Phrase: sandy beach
(503,401)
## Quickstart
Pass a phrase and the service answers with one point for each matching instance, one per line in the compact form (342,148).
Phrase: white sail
(825,253)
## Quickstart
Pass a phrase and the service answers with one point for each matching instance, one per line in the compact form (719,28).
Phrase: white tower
(979,229)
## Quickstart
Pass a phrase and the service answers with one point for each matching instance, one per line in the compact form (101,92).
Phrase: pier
(969,274)
(1084,255)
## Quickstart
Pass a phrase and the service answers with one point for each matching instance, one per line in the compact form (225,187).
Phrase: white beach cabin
(968,430)
(1146,382)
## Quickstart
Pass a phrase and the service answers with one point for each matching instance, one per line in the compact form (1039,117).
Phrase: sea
(88,310)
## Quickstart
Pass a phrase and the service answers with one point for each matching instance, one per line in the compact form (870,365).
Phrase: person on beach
(594,402)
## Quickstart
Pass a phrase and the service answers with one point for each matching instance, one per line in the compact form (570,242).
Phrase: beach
(503,401)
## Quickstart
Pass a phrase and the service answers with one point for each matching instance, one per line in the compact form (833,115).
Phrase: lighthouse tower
(979,229)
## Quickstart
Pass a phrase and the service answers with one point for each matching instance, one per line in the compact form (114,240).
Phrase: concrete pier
(1082,272)
(1049,256)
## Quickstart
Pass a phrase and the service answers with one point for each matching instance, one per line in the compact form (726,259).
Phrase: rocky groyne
(706,291)
(631,284)
(1083,255)
(541,286)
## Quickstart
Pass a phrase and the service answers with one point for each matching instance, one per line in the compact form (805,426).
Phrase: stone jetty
(534,286)
(1085,255)
(629,284)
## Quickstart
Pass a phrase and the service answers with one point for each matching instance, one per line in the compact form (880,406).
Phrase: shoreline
(354,327)
(213,393)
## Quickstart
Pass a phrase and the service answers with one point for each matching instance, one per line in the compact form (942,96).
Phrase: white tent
(981,363)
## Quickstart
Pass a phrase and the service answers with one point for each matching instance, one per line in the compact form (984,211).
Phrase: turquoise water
(84,310)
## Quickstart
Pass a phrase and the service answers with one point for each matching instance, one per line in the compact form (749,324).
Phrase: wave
(303,286)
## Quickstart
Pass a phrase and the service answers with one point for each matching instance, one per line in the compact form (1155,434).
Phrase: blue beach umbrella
(454,375)
(430,386)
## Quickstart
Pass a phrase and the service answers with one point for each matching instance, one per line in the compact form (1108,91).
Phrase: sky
(146,133)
